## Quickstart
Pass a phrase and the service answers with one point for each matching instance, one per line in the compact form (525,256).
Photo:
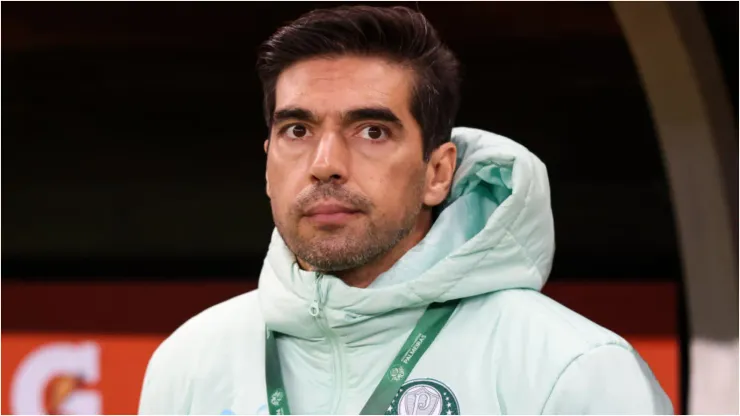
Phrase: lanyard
(426,330)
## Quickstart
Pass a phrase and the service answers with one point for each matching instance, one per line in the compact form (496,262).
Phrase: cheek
(394,190)
(282,189)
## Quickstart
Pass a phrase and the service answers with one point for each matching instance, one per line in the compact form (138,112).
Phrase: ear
(267,178)
(267,186)
(440,171)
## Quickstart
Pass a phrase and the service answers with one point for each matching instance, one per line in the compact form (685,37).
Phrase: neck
(365,275)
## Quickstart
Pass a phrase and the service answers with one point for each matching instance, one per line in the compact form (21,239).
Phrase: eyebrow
(371,113)
(351,116)
(300,114)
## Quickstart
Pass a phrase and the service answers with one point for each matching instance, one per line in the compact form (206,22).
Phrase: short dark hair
(396,33)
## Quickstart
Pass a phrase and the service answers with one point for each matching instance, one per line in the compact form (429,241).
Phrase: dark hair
(395,33)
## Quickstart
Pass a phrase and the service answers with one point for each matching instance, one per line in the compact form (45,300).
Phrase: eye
(296,131)
(374,133)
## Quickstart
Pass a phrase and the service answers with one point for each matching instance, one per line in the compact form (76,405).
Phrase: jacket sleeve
(609,379)
(165,384)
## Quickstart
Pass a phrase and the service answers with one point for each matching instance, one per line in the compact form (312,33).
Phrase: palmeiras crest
(424,397)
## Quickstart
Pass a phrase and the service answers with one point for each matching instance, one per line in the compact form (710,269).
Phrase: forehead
(325,85)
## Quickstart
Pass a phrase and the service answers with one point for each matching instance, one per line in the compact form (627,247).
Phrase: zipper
(315,307)
(338,360)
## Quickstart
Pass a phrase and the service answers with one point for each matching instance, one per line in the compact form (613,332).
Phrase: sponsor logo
(55,379)
(424,397)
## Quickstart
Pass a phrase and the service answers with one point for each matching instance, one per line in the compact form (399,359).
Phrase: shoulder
(607,379)
(526,330)
(572,364)
(535,315)
(201,349)
(231,322)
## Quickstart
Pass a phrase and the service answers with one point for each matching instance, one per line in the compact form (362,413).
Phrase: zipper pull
(314,309)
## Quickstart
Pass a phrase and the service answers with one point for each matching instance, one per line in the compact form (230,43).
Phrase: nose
(331,159)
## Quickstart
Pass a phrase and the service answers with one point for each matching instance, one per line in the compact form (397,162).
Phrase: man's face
(345,170)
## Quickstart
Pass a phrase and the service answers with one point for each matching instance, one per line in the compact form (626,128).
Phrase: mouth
(326,213)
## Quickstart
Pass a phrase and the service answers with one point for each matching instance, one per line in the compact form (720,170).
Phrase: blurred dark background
(132,133)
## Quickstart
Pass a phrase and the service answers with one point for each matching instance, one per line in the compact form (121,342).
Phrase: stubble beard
(350,246)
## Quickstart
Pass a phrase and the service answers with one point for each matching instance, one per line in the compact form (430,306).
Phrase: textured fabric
(507,349)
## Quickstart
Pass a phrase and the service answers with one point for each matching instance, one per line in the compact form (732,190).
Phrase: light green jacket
(507,349)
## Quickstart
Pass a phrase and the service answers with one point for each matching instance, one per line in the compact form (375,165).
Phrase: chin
(332,240)
(312,230)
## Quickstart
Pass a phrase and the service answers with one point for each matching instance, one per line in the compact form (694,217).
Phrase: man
(404,271)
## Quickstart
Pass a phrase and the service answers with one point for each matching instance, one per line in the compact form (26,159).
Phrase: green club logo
(424,397)
(277,397)
(397,373)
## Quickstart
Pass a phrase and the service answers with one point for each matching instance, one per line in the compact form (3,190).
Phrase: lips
(330,213)
(330,208)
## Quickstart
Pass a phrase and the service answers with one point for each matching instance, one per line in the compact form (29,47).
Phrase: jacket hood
(494,232)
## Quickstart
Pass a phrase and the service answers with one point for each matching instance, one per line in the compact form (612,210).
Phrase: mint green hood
(495,232)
